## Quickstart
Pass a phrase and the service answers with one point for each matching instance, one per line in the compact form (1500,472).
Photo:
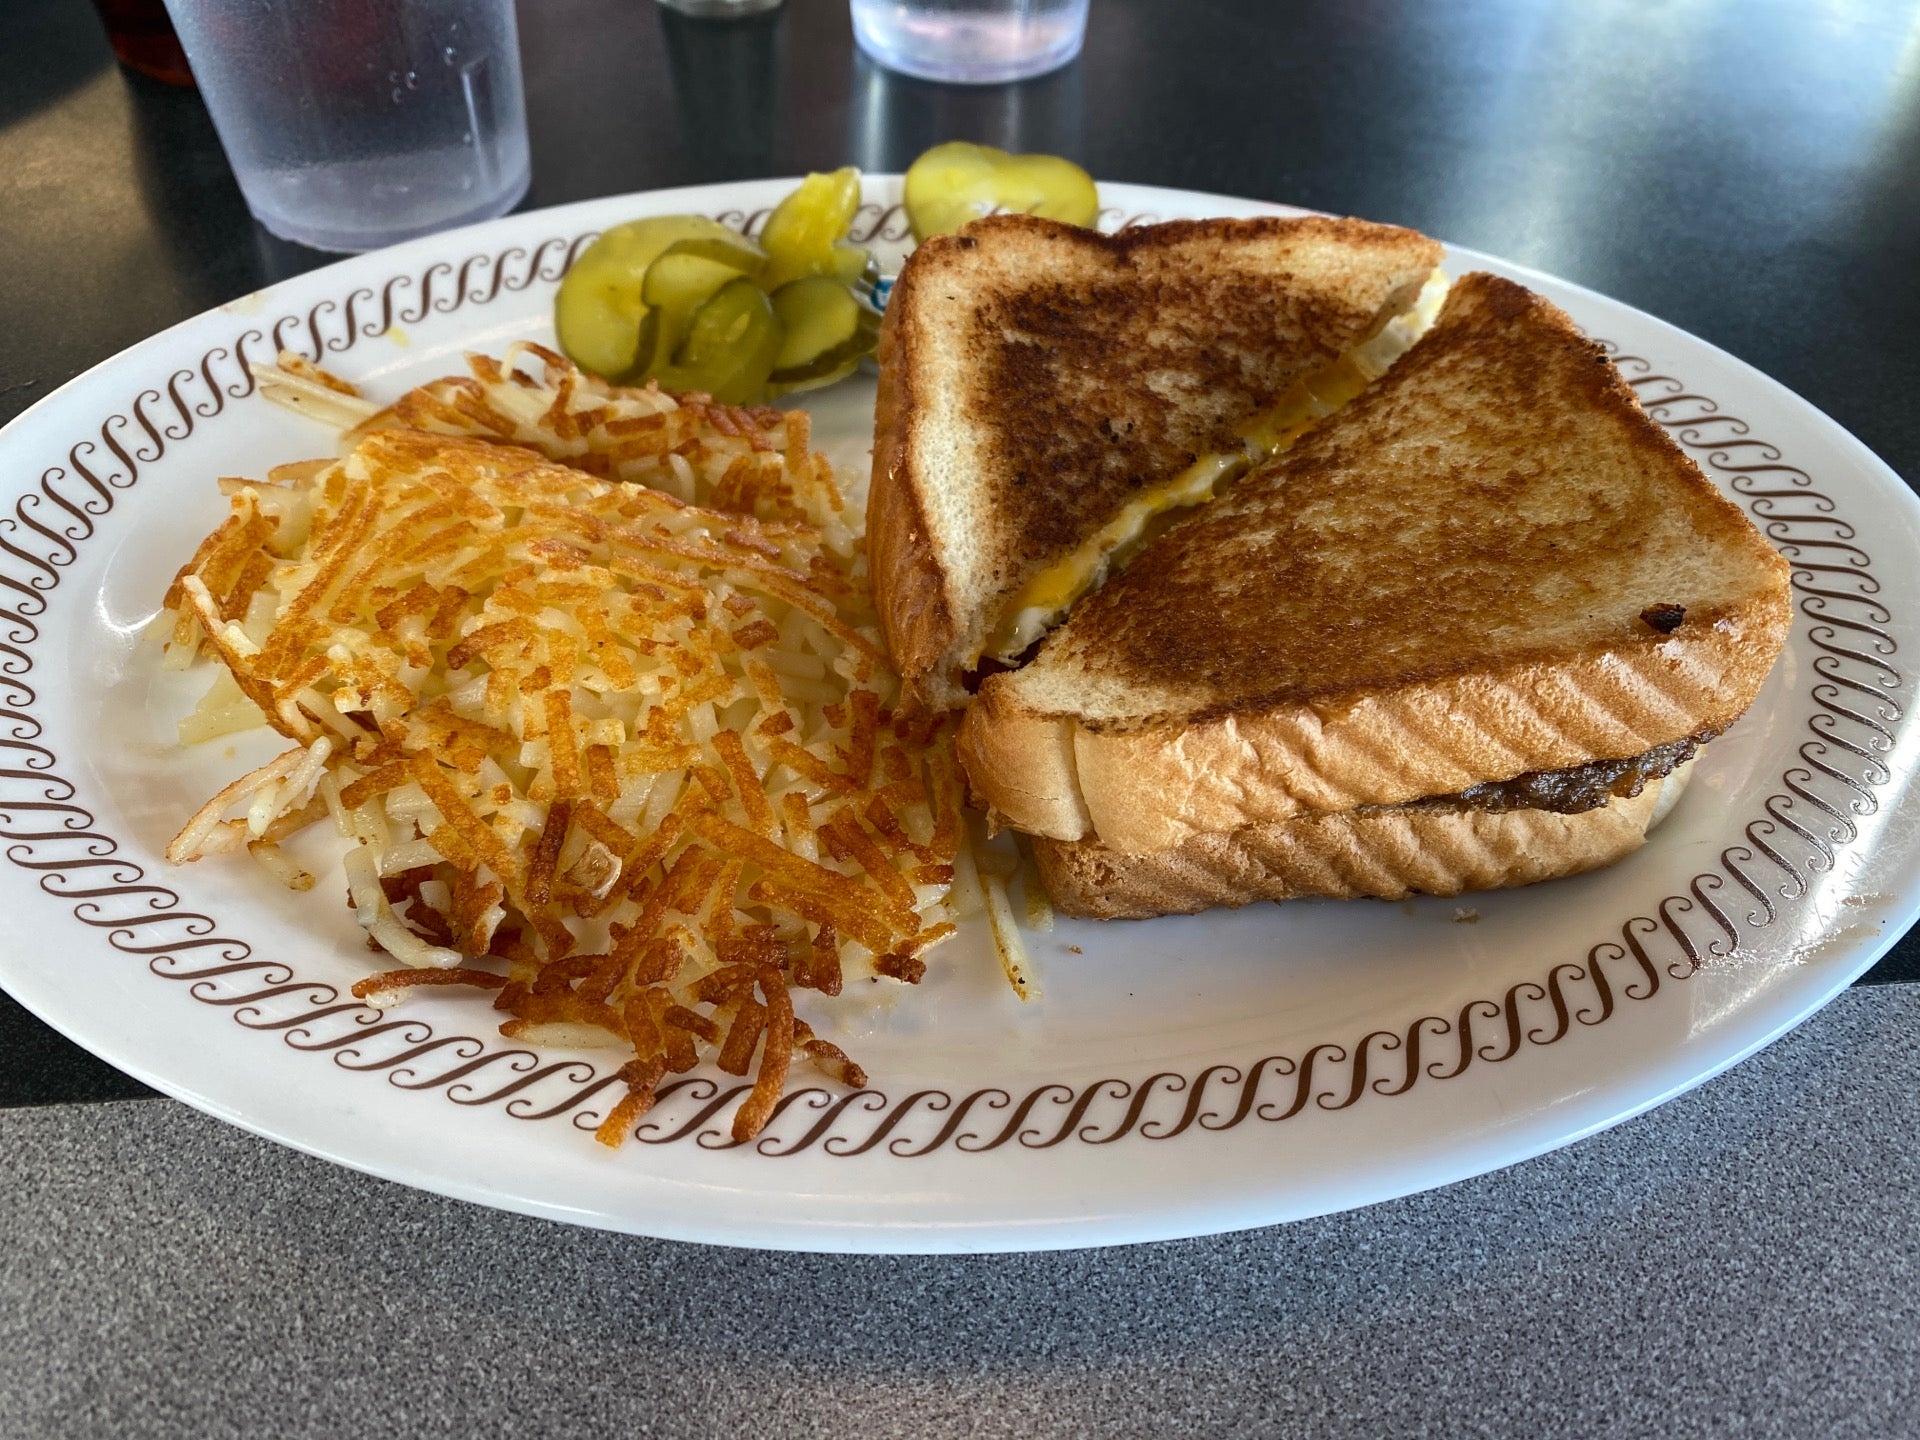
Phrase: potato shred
(590,678)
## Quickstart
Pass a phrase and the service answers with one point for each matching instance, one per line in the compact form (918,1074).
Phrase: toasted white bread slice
(1044,390)
(1386,853)
(1491,562)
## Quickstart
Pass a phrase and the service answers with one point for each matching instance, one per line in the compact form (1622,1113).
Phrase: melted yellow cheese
(1048,595)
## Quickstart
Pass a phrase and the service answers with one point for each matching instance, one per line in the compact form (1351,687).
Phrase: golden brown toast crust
(915,618)
(1385,854)
(1078,368)
(1442,584)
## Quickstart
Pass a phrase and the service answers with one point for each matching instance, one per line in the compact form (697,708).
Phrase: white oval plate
(1180,1077)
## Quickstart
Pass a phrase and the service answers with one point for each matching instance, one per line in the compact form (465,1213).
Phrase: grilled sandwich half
(1467,631)
(1048,392)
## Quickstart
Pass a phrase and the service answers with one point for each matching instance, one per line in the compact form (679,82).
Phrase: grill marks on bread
(1073,436)
(1035,378)
(1388,853)
(1447,519)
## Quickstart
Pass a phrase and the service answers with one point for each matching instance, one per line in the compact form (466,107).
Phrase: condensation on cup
(971,42)
(352,124)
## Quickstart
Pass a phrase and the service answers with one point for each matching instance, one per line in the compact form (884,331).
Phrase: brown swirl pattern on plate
(1797,834)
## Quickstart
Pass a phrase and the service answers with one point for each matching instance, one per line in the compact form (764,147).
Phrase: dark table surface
(1748,171)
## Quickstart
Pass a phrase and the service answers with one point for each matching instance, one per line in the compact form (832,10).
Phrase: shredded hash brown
(590,678)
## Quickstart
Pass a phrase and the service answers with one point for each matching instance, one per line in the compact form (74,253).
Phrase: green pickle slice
(730,347)
(686,275)
(828,330)
(688,272)
(696,306)
(854,264)
(598,311)
(957,182)
(804,234)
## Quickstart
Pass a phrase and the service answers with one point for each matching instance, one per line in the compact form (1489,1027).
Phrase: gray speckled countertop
(1744,1261)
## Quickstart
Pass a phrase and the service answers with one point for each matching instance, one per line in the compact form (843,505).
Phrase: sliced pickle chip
(687,275)
(820,315)
(730,346)
(690,303)
(680,273)
(854,264)
(653,348)
(827,331)
(804,233)
(815,379)
(957,182)
(598,310)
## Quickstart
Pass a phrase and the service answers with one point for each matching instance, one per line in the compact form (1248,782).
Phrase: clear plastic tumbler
(352,124)
(972,42)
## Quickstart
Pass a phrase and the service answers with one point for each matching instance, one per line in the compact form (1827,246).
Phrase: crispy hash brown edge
(590,678)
